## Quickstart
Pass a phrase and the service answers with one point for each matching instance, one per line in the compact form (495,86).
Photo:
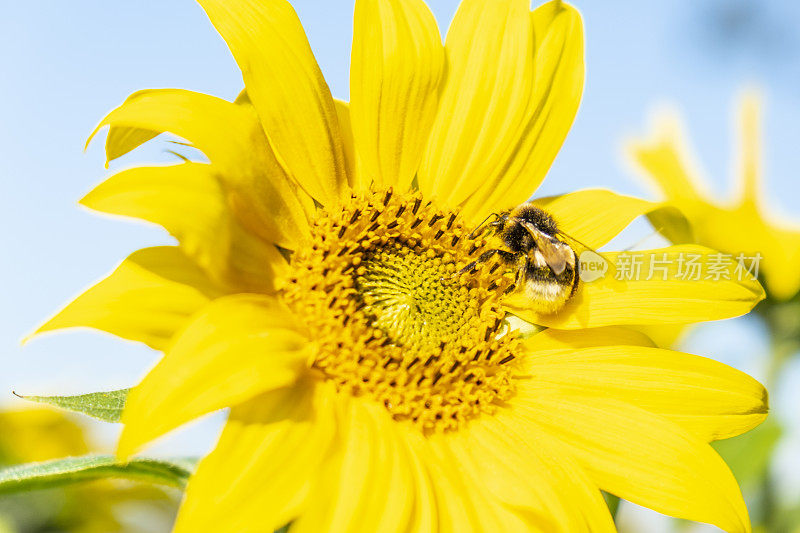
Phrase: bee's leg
(521,274)
(485,256)
(474,232)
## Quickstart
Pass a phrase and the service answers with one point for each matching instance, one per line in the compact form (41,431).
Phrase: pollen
(393,316)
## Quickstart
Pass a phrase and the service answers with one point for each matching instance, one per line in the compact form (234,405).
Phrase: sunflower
(319,290)
(742,225)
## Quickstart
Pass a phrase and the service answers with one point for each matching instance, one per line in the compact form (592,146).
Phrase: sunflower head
(396,319)
(321,290)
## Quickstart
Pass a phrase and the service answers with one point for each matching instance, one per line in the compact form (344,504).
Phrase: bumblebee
(529,242)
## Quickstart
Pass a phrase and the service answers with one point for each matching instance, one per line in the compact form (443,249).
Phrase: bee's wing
(573,242)
(581,248)
(555,258)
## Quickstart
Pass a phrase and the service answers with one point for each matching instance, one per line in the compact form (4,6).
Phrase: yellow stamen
(394,320)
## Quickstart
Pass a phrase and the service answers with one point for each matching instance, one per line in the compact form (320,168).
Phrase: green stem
(783,322)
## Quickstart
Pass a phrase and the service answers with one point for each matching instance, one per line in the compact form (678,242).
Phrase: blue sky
(65,64)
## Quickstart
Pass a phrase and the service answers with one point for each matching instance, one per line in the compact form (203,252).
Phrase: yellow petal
(750,147)
(464,502)
(671,296)
(148,298)
(234,349)
(188,201)
(640,456)
(348,144)
(459,506)
(40,434)
(526,472)
(665,159)
(484,108)
(287,89)
(231,136)
(455,513)
(672,223)
(782,262)
(368,487)
(594,216)
(747,231)
(744,228)
(396,65)
(551,340)
(707,398)
(426,510)
(750,227)
(243,98)
(665,335)
(121,140)
(259,476)
(558,86)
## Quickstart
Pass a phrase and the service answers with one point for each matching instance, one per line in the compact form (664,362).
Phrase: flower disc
(382,292)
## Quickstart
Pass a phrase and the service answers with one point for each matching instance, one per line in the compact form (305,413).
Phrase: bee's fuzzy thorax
(536,216)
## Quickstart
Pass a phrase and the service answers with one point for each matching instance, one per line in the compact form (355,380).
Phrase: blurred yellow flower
(318,289)
(32,435)
(38,435)
(743,225)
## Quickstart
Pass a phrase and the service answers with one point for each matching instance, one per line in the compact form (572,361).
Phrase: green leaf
(748,455)
(58,472)
(787,518)
(6,526)
(106,406)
